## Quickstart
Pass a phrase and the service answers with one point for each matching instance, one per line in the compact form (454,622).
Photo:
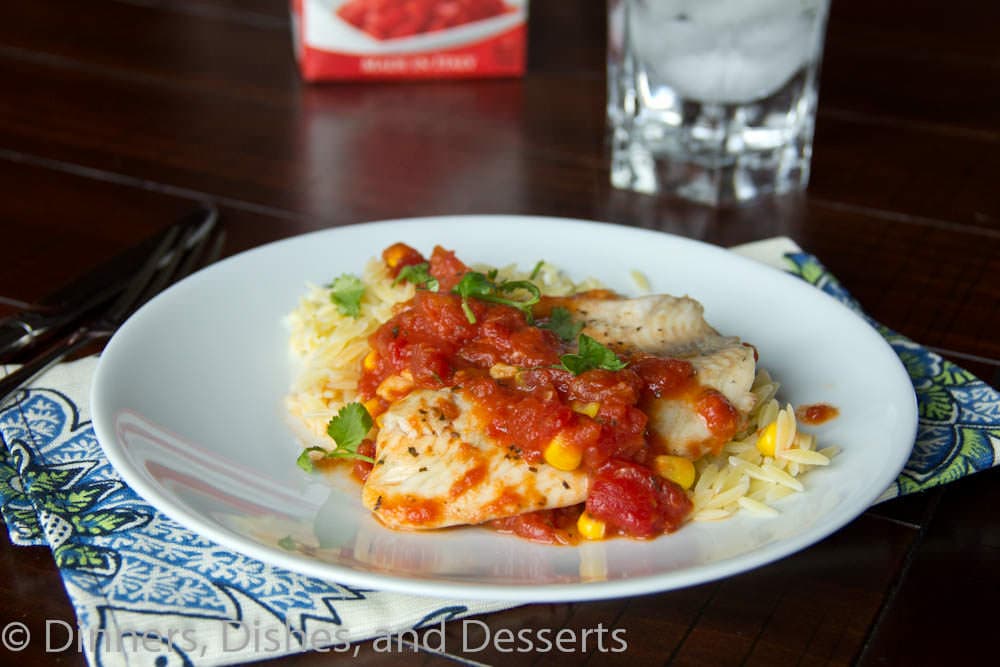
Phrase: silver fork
(34,322)
(182,249)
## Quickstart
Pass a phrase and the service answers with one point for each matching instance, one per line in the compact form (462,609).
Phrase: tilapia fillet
(436,467)
(669,326)
(651,324)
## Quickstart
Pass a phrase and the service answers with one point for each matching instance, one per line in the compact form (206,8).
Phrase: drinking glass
(713,100)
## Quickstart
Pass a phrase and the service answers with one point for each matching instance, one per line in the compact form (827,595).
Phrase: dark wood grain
(117,117)
(914,63)
(28,573)
(869,161)
(806,608)
(956,562)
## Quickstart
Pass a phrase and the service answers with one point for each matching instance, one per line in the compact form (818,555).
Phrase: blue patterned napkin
(148,591)
(958,432)
(959,415)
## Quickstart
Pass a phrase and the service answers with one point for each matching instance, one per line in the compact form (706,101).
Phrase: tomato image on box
(409,39)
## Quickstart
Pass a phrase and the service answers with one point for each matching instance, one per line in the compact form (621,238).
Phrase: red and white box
(409,39)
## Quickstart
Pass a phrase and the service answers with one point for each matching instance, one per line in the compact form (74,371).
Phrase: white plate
(187,403)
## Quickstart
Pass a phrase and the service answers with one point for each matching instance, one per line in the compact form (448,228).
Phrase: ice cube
(724,51)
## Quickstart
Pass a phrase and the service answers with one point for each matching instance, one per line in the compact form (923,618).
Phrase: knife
(73,302)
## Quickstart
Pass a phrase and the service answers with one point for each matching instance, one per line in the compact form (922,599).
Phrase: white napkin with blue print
(145,589)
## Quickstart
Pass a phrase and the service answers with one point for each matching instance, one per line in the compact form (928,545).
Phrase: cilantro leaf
(473,284)
(348,428)
(591,355)
(482,286)
(419,275)
(346,292)
(305,461)
(562,325)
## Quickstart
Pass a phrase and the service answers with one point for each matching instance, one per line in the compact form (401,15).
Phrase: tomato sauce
(471,478)
(509,369)
(556,526)
(815,414)
(415,510)
(665,378)
(720,417)
(362,468)
(676,379)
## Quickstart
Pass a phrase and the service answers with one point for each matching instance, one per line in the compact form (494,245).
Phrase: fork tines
(188,244)
(182,250)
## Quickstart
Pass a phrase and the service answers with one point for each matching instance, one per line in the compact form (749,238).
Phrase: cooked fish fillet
(679,429)
(651,324)
(436,466)
(729,370)
(669,326)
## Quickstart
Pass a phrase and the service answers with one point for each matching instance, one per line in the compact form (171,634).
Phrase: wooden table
(116,116)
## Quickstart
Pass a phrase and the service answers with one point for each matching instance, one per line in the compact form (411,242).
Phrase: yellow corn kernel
(373,406)
(376,408)
(369,361)
(767,439)
(395,387)
(394,255)
(677,469)
(590,409)
(590,528)
(561,454)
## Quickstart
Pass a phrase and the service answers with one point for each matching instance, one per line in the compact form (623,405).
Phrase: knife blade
(95,289)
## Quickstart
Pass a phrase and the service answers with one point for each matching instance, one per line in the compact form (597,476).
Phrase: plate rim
(506,592)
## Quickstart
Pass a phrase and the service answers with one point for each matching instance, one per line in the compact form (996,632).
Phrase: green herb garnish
(590,355)
(483,287)
(346,292)
(305,461)
(538,269)
(287,543)
(562,325)
(419,275)
(348,428)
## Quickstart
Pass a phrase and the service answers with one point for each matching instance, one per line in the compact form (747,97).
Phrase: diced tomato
(509,370)
(447,268)
(439,315)
(386,19)
(422,339)
(362,468)
(400,255)
(353,12)
(635,500)
(524,421)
